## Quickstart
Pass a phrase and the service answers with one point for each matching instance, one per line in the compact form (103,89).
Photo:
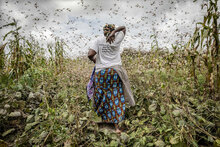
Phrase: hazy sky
(79,22)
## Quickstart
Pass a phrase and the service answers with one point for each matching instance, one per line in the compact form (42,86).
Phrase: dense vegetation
(44,102)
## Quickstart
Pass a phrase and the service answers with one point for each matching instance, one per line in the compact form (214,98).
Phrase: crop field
(43,99)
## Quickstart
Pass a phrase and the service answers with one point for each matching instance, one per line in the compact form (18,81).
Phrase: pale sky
(80,22)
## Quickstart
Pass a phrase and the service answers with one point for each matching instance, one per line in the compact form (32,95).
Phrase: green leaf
(182,122)
(195,143)
(71,118)
(137,144)
(99,144)
(174,140)
(114,136)
(8,132)
(169,129)
(92,137)
(152,107)
(10,24)
(177,112)
(162,110)
(114,143)
(43,135)
(30,125)
(150,144)
(133,135)
(30,118)
(143,140)
(147,130)
(105,131)
(65,114)
(217,143)
(124,137)
(210,139)
(127,122)
(3,143)
(159,143)
(139,113)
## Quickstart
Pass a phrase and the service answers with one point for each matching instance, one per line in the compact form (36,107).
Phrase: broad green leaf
(124,137)
(150,144)
(152,107)
(159,143)
(8,132)
(174,140)
(147,130)
(177,112)
(114,143)
(217,143)
(71,118)
(30,125)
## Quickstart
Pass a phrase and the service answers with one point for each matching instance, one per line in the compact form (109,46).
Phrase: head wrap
(107,29)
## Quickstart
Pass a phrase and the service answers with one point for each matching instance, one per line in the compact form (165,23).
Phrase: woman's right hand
(111,37)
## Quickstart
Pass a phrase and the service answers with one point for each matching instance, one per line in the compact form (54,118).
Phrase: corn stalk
(191,48)
(207,38)
(59,52)
(216,36)
(15,52)
(2,58)
(22,53)
(57,55)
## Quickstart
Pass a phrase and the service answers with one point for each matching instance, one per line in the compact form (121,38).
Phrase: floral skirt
(109,101)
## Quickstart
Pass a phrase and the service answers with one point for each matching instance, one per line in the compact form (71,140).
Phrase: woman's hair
(107,29)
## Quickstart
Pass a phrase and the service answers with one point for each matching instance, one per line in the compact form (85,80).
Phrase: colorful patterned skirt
(109,101)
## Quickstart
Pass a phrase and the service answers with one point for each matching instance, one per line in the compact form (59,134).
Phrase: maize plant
(22,53)
(15,68)
(2,58)
(59,51)
(57,57)
(207,39)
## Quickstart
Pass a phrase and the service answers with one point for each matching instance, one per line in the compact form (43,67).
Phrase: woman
(112,88)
